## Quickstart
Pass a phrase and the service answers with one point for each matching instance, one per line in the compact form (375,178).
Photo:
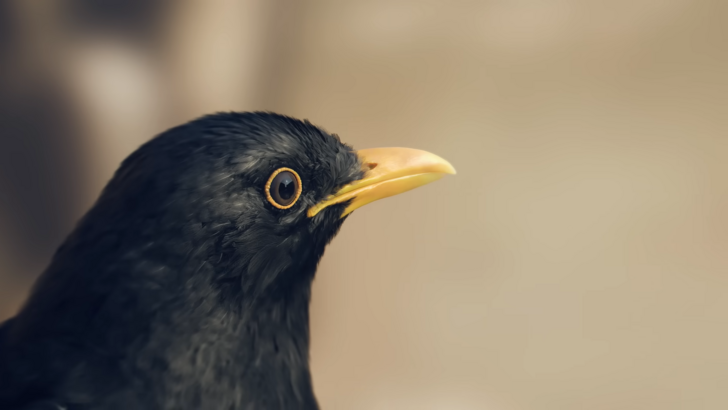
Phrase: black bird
(187,284)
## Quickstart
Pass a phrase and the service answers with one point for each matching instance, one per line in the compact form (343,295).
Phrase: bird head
(257,196)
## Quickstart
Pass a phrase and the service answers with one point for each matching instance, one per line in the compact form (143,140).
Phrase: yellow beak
(389,171)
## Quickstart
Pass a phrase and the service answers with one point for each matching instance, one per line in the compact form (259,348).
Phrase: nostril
(371,165)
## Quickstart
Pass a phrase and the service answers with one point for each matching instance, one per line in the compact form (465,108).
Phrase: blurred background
(579,259)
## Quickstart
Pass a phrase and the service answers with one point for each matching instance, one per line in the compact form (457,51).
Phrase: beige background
(578,259)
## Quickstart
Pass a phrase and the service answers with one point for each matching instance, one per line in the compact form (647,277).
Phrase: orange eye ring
(282,177)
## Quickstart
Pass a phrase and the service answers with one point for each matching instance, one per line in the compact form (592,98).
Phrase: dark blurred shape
(39,167)
(140,20)
(39,171)
(8,27)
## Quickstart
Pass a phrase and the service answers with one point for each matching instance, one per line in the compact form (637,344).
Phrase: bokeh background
(579,259)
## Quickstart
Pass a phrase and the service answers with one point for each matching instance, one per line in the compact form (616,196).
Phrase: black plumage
(184,287)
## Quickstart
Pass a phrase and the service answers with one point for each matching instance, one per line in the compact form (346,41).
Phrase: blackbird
(187,284)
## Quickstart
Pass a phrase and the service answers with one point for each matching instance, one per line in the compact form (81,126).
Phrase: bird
(187,284)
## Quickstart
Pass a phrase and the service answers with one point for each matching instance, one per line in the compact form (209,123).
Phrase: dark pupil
(284,188)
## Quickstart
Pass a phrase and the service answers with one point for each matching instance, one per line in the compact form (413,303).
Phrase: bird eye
(283,188)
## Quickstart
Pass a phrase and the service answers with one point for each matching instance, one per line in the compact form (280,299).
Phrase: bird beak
(388,172)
